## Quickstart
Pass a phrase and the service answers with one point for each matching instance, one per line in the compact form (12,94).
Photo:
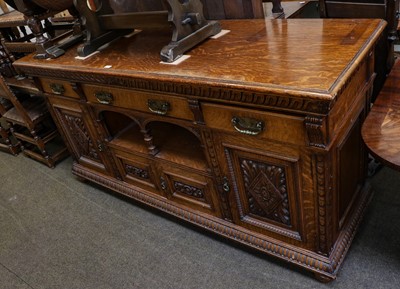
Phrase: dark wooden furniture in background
(239,9)
(8,142)
(381,129)
(384,9)
(31,124)
(244,138)
(37,16)
(26,121)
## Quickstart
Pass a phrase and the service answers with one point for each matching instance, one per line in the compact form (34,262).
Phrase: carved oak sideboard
(255,137)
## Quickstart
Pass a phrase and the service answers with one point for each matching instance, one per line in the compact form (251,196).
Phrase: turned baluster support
(148,138)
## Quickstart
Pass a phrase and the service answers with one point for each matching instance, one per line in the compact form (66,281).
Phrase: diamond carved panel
(266,190)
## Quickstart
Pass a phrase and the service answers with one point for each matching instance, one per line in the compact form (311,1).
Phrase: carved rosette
(80,135)
(266,190)
(187,190)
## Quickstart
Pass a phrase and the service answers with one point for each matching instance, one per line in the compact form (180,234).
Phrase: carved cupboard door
(82,141)
(264,187)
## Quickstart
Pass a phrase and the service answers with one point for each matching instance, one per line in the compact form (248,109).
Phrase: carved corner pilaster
(324,204)
(316,131)
(221,181)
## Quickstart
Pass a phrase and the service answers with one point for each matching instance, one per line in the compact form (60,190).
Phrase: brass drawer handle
(158,106)
(247,126)
(104,97)
(57,88)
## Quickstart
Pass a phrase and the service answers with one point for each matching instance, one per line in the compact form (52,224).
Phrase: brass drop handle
(247,125)
(163,184)
(104,97)
(158,106)
(100,146)
(57,88)
(225,185)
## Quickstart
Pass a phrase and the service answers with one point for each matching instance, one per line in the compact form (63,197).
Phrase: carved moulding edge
(309,260)
(246,96)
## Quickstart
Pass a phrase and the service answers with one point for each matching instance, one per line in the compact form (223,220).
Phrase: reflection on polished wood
(256,136)
(274,56)
(381,130)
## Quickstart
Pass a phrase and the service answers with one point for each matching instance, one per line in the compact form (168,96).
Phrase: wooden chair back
(213,9)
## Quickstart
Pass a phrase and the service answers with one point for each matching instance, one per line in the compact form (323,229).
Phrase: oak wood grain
(381,129)
(303,57)
(284,189)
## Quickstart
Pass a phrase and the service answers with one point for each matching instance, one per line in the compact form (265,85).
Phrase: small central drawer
(254,123)
(58,87)
(147,102)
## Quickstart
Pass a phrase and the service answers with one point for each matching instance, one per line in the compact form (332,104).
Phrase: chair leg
(8,142)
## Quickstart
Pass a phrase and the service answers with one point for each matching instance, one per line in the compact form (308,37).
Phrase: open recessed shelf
(172,143)
(130,139)
(178,145)
(124,134)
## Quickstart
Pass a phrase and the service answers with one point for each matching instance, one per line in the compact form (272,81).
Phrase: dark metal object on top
(109,20)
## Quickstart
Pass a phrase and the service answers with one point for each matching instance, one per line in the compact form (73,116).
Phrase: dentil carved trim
(158,86)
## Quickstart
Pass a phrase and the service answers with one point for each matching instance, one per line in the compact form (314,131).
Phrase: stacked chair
(8,142)
(26,124)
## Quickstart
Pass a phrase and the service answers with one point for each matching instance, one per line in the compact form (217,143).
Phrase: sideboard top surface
(306,57)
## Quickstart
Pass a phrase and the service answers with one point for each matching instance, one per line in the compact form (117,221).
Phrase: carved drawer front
(189,188)
(58,87)
(266,195)
(136,170)
(147,102)
(253,123)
